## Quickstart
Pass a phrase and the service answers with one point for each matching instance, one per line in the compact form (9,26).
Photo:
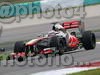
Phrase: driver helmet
(57,26)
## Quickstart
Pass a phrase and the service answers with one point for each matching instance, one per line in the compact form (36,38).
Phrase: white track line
(64,71)
(98,42)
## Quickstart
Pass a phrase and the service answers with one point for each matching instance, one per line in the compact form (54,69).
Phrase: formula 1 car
(49,45)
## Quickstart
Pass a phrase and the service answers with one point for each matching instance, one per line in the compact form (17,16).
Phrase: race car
(55,44)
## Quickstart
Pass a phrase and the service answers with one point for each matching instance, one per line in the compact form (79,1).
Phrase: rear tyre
(89,40)
(19,47)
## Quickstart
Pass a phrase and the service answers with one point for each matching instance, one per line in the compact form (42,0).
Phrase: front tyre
(20,59)
(19,47)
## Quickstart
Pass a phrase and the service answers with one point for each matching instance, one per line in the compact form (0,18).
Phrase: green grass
(3,56)
(90,72)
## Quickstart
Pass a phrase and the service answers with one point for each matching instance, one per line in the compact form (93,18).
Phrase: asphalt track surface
(78,56)
(30,33)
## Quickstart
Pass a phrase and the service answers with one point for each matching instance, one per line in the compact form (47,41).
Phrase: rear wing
(72,24)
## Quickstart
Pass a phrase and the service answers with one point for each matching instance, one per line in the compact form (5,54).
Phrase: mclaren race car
(78,38)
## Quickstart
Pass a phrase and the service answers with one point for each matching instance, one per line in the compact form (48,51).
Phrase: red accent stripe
(93,64)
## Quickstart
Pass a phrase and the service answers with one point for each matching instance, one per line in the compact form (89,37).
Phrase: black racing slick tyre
(20,59)
(89,40)
(19,47)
